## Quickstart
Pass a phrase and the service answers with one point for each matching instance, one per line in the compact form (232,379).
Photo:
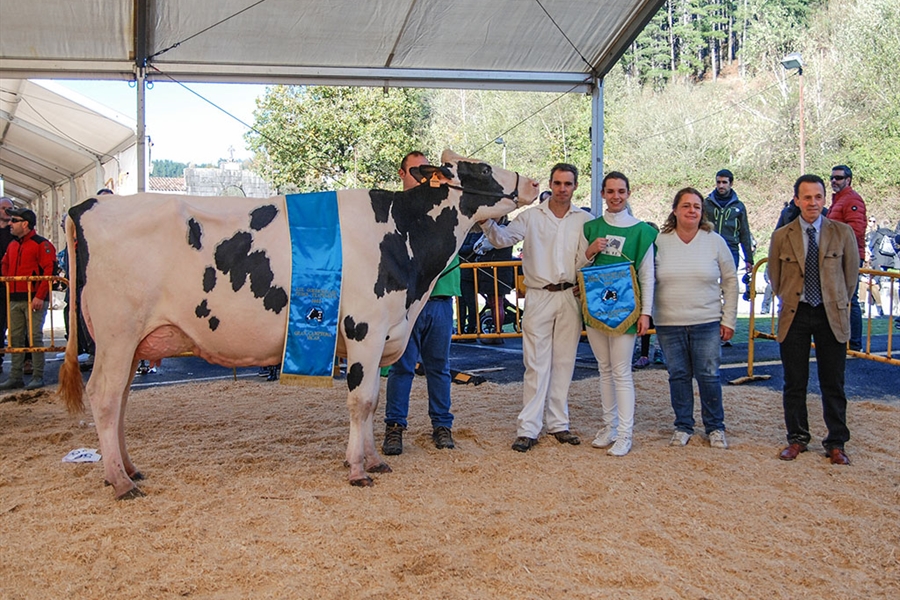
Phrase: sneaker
(658,358)
(605,438)
(641,363)
(717,439)
(621,447)
(442,438)
(393,439)
(680,438)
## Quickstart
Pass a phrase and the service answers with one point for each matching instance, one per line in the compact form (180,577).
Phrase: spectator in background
(848,207)
(728,216)
(6,237)
(27,255)
(467,301)
(496,301)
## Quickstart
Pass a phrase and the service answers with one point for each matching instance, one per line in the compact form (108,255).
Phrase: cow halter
(513,195)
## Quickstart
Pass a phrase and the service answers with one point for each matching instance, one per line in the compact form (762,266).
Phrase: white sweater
(693,279)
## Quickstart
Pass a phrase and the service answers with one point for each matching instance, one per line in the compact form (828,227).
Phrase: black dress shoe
(566,437)
(523,444)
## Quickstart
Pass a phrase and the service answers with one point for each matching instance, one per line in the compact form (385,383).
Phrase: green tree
(167,168)
(315,138)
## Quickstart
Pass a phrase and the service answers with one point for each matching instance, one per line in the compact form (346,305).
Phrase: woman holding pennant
(695,310)
(617,296)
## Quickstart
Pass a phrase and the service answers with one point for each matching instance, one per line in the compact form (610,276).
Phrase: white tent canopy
(537,45)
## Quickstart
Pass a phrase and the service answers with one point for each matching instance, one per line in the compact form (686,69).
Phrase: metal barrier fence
(871,284)
(518,292)
(32,279)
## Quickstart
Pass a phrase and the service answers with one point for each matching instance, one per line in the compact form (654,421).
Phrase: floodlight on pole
(502,142)
(789,62)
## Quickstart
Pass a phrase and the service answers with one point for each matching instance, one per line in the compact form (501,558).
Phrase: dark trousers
(811,324)
(3,323)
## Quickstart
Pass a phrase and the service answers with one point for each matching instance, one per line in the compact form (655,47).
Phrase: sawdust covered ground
(247,497)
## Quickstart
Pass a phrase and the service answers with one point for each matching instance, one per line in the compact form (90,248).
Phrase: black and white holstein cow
(216,276)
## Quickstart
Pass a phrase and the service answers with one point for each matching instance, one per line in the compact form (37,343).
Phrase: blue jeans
(694,352)
(430,339)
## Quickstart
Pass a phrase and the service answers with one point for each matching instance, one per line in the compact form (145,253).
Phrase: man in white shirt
(553,251)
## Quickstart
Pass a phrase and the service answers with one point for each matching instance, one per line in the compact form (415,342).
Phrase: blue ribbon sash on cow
(608,298)
(316,265)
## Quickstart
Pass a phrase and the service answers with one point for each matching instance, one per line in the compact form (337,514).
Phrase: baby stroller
(486,317)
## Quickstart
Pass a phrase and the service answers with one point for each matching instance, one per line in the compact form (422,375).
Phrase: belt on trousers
(440,298)
(558,287)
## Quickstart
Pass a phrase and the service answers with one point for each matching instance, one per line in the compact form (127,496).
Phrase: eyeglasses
(838,177)
(16,220)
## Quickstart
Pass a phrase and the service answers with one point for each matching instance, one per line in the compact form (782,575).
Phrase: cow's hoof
(138,476)
(381,467)
(131,494)
(364,482)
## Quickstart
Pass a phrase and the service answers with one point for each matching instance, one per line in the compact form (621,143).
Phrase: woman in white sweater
(694,310)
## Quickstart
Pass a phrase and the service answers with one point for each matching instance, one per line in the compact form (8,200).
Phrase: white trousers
(613,354)
(551,328)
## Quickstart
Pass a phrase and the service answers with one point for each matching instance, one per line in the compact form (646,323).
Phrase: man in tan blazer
(815,305)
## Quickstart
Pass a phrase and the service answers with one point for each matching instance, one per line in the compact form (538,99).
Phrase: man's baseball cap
(24,213)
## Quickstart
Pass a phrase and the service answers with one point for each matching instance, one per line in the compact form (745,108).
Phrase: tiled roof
(167,184)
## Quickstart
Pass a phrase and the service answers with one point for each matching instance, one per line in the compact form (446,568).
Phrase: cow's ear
(435,176)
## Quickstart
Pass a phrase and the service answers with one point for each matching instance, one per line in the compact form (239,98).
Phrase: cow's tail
(71,385)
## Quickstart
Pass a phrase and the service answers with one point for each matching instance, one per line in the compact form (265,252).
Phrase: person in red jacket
(848,207)
(28,254)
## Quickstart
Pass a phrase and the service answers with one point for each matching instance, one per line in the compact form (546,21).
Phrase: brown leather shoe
(838,456)
(792,451)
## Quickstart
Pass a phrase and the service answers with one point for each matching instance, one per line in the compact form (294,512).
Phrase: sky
(182,127)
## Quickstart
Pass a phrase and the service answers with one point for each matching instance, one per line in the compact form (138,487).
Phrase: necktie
(812,286)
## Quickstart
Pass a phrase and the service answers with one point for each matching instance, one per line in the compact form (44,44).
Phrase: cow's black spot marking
(195,234)
(275,300)
(209,279)
(395,267)
(354,376)
(234,258)
(262,216)
(202,311)
(354,331)
(381,204)
(432,242)
(82,253)
(476,177)
(213,323)
(433,245)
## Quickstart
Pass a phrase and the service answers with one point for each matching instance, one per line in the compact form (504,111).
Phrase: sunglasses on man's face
(16,220)
(838,177)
